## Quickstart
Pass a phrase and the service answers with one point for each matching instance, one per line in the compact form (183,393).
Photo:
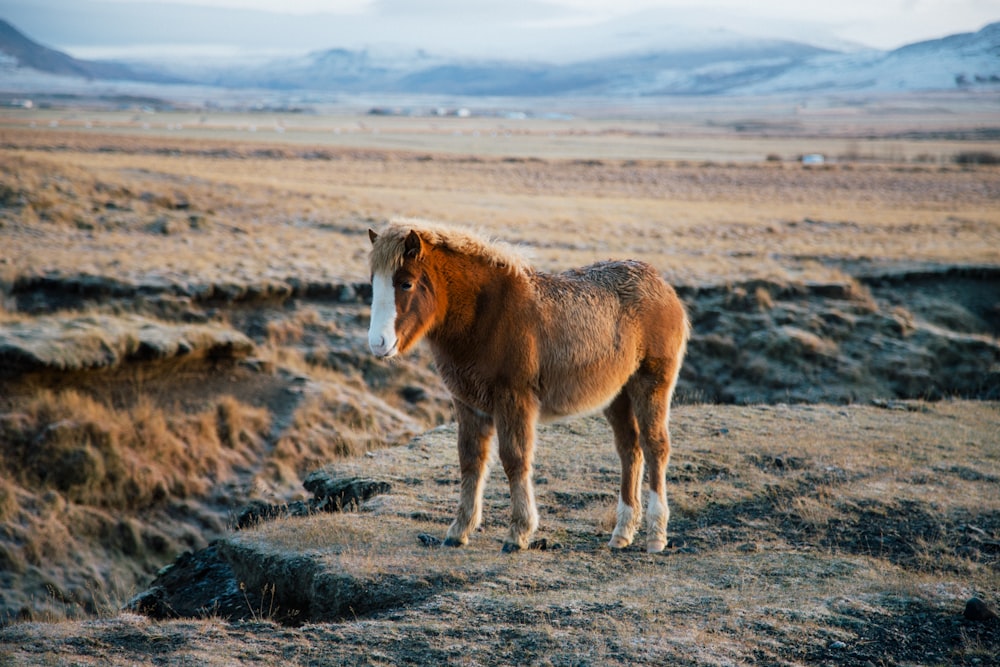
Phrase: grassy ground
(802,528)
(199,208)
(802,535)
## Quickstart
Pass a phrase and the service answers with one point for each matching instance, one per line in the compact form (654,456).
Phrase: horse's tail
(686,330)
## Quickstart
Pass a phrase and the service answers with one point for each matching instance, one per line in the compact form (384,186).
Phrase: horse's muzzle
(383,349)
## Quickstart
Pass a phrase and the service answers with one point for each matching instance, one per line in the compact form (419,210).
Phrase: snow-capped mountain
(958,61)
(720,64)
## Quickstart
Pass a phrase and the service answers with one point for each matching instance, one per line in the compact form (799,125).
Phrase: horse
(515,345)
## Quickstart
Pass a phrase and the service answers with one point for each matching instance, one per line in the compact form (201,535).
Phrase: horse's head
(403,301)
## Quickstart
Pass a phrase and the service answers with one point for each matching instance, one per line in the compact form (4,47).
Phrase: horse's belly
(590,389)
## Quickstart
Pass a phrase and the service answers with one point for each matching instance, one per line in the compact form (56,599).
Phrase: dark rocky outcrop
(232,581)
(329,495)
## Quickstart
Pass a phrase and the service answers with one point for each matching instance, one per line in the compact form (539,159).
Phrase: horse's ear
(413,245)
(372,235)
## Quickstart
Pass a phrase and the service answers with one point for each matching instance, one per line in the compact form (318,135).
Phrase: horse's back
(611,295)
(597,324)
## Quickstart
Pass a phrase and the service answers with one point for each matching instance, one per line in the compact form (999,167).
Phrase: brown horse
(515,345)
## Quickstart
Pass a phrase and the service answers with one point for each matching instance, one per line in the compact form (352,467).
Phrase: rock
(329,495)
(347,294)
(429,540)
(334,495)
(257,511)
(197,584)
(543,544)
(168,225)
(413,394)
(977,610)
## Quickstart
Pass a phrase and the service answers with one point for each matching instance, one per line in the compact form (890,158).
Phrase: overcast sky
(531,29)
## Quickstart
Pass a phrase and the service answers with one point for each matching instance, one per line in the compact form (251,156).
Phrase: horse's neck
(465,287)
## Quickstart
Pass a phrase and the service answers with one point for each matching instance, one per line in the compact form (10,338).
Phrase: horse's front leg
(475,430)
(516,436)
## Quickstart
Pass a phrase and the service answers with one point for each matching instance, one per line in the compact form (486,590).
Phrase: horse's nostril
(379,345)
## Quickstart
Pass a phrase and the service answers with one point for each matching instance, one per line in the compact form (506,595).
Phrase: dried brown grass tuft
(94,454)
(96,492)
(337,422)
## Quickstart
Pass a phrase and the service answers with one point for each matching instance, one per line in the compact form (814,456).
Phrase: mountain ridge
(735,66)
(25,52)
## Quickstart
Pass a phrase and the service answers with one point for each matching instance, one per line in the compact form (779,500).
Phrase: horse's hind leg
(651,390)
(626,432)
(475,431)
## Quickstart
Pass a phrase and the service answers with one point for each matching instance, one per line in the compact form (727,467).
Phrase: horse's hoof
(453,542)
(618,542)
(510,547)
(655,546)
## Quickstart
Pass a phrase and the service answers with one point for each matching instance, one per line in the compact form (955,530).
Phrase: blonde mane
(387,253)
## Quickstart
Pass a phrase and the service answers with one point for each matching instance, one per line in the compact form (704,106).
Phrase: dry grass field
(183,313)
(848,535)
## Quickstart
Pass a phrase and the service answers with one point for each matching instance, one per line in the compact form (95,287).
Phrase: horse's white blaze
(382,330)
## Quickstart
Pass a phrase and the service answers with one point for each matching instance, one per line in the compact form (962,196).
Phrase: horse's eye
(406,286)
